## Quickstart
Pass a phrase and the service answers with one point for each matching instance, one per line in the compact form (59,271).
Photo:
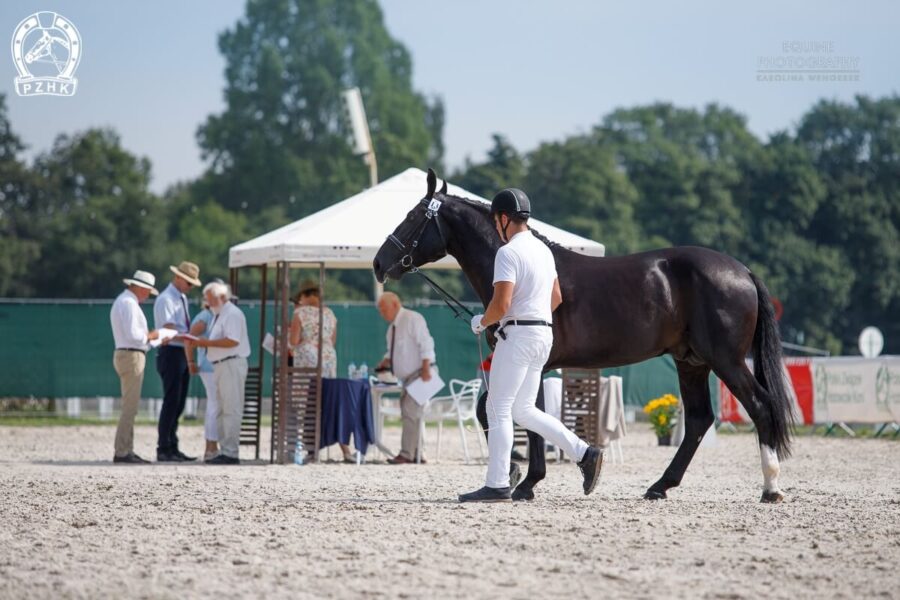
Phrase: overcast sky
(534,71)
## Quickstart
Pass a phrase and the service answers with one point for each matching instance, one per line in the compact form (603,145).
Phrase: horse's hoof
(772,497)
(655,495)
(522,494)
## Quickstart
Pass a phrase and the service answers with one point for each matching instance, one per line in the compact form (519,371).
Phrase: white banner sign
(856,389)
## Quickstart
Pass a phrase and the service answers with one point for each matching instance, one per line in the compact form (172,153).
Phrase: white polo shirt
(528,263)
(232,324)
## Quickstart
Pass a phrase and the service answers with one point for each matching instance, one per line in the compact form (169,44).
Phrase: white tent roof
(347,235)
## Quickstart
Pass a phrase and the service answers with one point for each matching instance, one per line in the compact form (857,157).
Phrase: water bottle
(299,451)
(351,371)
(364,371)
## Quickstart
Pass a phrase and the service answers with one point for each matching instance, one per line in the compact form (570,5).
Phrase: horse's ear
(444,187)
(432,184)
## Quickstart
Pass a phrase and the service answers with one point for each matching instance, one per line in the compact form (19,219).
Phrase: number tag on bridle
(434,205)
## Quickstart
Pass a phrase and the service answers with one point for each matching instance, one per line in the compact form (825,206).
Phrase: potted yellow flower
(661,412)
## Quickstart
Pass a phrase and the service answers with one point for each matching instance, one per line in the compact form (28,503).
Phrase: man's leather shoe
(590,468)
(184,456)
(130,459)
(402,460)
(487,494)
(223,460)
(168,457)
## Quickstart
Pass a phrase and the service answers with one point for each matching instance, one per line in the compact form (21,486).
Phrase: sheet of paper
(187,336)
(423,391)
(269,343)
(164,334)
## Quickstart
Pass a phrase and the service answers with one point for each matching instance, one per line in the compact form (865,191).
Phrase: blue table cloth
(347,409)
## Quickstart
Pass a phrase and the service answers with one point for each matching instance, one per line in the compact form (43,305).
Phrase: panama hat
(189,272)
(309,285)
(143,279)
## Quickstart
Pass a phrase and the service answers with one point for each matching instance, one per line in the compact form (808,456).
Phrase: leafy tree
(19,251)
(282,138)
(504,167)
(100,220)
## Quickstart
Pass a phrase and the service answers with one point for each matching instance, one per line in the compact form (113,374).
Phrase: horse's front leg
(537,463)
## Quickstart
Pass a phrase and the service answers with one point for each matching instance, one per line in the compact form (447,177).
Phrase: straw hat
(143,279)
(309,285)
(189,272)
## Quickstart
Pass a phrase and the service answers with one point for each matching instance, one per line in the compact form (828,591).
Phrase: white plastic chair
(459,406)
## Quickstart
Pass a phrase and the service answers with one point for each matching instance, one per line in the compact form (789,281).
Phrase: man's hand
(384,364)
(426,373)
(477,327)
(193,368)
(152,335)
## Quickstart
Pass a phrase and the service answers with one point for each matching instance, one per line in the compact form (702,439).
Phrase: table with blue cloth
(347,409)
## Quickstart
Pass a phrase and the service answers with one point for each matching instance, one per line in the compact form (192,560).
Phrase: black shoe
(515,475)
(590,467)
(131,459)
(487,494)
(184,456)
(223,460)
(168,457)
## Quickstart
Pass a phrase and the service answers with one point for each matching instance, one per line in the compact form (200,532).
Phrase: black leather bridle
(431,216)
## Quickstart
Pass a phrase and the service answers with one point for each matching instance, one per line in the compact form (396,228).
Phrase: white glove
(477,327)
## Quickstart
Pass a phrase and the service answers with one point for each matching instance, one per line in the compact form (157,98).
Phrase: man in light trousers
(228,347)
(131,336)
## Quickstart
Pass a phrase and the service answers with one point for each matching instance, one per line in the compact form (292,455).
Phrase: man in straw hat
(171,311)
(129,328)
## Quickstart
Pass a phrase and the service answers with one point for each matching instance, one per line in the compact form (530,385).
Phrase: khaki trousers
(130,369)
(231,375)
(410,414)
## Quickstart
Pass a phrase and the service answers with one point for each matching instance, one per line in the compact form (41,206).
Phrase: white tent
(347,235)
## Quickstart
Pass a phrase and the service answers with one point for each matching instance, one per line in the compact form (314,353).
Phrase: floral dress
(306,353)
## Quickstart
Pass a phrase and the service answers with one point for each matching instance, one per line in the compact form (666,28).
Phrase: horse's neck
(472,250)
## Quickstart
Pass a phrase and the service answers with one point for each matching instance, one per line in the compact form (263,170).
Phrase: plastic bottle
(364,371)
(299,452)
(351,371)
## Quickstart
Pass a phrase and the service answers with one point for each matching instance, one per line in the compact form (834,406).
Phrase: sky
(533,71)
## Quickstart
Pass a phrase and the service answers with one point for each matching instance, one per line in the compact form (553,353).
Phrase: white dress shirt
(232,324)
(412,343)
(129,325)
(172,307)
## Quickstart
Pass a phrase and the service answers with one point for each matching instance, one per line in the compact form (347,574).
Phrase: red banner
(800,372)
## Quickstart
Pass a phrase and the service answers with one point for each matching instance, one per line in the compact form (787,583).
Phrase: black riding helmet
(511,201)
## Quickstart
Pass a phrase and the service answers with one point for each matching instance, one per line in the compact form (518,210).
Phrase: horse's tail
(768,371)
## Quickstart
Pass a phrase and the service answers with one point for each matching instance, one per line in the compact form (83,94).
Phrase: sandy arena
(75,526)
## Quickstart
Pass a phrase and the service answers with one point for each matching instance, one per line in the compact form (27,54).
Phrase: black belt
(215,362)
(521,323)
(131,350)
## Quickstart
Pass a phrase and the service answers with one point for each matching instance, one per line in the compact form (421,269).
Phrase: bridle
(431,215)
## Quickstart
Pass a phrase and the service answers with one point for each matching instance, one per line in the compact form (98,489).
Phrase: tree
(100,221)
(504,167)
(19,251)
(282,138)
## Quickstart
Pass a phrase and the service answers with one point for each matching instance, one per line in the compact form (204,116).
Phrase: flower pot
(664,440)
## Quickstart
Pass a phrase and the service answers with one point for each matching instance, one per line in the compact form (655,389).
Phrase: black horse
(704,308)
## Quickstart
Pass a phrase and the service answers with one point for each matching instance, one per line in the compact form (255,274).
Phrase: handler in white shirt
(228,347)
(129,328)
(526,293)
(410,355)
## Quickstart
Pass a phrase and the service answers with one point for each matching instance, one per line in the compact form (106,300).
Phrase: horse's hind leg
(747,390)
(698,417)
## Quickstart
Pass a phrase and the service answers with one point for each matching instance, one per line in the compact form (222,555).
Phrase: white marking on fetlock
(770,468)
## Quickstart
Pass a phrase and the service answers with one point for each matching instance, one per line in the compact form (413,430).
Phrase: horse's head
(418,240)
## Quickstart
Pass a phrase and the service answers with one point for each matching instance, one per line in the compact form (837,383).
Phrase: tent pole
(319,360)
(262,353)
(284,285)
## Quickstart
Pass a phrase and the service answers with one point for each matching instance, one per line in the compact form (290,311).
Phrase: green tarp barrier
(57,350)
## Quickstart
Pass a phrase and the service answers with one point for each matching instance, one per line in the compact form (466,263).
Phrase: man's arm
(500,303)
(556,297)
(426,347)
